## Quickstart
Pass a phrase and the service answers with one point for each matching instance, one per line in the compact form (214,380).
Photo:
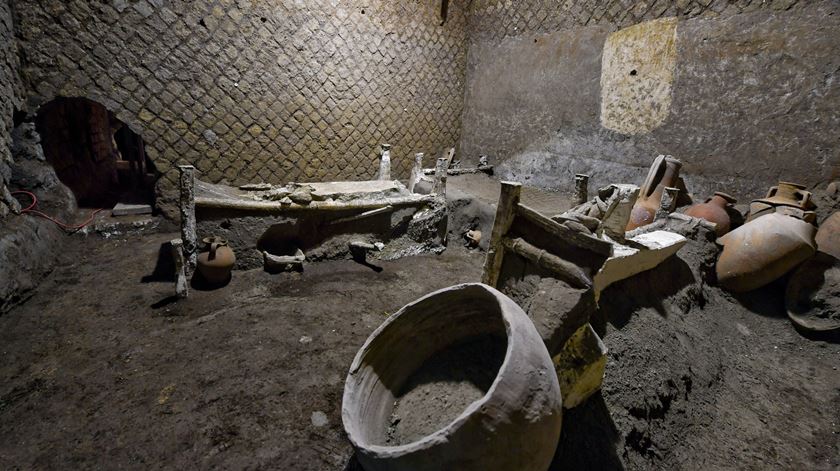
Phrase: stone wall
(10,93)
(251,90)
(743,92)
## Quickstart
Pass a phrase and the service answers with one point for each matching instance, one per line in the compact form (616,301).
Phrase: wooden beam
(249,205)
(505,213)
(567,271)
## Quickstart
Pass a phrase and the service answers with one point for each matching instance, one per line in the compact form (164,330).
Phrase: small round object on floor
(813,294)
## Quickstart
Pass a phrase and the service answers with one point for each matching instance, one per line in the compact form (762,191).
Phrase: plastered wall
(744,93)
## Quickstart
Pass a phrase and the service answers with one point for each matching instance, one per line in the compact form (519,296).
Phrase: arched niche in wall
(95,154)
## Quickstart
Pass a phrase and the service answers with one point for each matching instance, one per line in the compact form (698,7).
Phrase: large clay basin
(514,426)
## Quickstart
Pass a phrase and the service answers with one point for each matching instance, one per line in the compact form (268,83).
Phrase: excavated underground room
(420,235)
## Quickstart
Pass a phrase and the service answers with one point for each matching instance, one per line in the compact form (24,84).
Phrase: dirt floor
(101,368)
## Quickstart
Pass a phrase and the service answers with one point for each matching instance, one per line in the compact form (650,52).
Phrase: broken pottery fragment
(279,263)
(513,425)
(762,250)
(580,366)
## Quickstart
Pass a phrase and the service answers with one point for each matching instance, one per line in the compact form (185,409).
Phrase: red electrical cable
(67,227)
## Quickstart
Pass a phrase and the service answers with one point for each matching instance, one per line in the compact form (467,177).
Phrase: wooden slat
(590,243)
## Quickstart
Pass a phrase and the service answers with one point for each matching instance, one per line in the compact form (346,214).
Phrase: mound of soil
(699,378)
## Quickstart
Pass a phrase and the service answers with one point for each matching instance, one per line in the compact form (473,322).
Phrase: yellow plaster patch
(637,71)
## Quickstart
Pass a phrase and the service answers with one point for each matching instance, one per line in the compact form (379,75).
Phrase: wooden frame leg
(505,213)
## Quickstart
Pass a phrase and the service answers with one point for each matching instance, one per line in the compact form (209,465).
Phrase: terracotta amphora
(828,237)
(664,172)
(784,194)
(763,250)
(714,210)
(216,262)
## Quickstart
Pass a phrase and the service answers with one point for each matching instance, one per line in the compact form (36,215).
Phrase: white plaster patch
(637,72)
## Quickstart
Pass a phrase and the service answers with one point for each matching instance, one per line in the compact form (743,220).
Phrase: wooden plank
(505,213)
(556,229)
(565,270)
(246,205)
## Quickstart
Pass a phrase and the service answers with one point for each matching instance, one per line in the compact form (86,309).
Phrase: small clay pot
(216,263)
(714,210)
(665,172)
(828,237)
(763,250)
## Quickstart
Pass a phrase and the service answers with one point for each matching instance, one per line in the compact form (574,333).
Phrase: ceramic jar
(784,194)
(763,250)
(515,425)
(216,261)
(665,172)
(714,210)
(828,237)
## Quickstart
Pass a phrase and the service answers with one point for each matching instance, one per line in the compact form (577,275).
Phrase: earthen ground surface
(100,369)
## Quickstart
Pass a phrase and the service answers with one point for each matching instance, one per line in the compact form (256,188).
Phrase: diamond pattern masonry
(258,90)
(497,19)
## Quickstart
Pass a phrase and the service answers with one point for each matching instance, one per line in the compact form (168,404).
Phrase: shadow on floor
(164,266)
(589,439)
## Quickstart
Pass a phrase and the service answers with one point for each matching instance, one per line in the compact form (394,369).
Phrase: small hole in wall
(535,40)
(263,19)
(363,11)
(633,72)
(202,23)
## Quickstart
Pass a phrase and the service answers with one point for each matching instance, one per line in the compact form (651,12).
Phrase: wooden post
(581,194)
(385,163)
(505,212)
(181,285)
(440,177)
(187,209)
(416,171)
